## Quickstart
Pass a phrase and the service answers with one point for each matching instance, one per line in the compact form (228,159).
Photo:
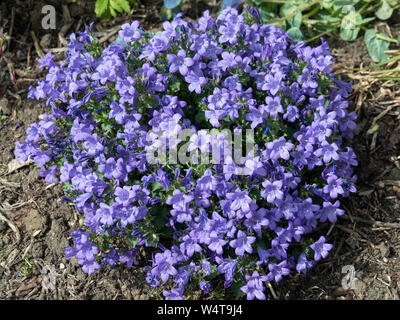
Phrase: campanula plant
(248,219)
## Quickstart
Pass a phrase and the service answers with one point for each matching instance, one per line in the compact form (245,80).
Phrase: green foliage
(376,44)
(109,8)
(311,19)
(27,269)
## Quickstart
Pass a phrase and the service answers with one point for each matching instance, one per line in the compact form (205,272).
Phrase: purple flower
(163,263)
(174,294)
(128,257)
(321,249)
(130,32)
(105,214)
(124,195)
(228,61)
(328,151)
(303,264)
(243,243)
(205,286)
(273,191)
(240,200)
(228,267)
(273,83)
(216,244)
(90,266)
(334,187)
(278,149)
(273,106)
(256,116)
(277,271)
(330,211)
(196,81)
(254,287)
(111,258)
(180,62)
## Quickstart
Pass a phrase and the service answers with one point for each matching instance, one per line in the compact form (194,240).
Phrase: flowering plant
(114,138)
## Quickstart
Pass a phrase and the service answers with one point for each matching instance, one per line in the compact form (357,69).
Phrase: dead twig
(66,13)
(63,32)
(11,225)
(36,44)
(9,184)
(109,34)
(376,224)
(56,50)
(79,24)
(272,290)
(383,113)
(384,183)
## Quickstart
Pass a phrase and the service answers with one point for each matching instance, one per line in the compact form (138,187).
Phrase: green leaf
(341,3)
(132,241)
(296,34)
(296,20)
(375,45)
(213,272)
(124,4)
(158,216)
(367,20)
(373,129)
(152,102)
(385,11)
(392,3)
(349,34)
(176,86)
(348,27)
(266,15)
(112,11)
(200,117)
(101,7)
(327,4)
(288,9)
(156,186)
(115,5)
(236,289)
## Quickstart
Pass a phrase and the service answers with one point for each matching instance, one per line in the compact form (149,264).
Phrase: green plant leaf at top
(375,45)
(286,10)
(349,27)
(266,15)
(385,11)
(108,8)
(101,7)
(124,4)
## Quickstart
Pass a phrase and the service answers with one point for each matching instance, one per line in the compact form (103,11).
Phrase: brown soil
(40,223)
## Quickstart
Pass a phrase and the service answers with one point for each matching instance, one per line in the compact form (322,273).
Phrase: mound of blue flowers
(248,220)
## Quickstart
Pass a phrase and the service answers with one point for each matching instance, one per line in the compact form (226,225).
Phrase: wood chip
(27,287)
(14,165)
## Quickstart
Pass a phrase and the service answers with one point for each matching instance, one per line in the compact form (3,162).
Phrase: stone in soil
(34,221)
